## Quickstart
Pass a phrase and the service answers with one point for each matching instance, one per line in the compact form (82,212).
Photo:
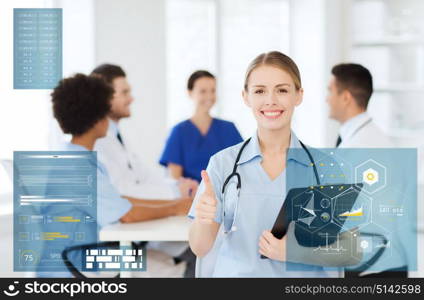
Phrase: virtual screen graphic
(37,42)
(55,207)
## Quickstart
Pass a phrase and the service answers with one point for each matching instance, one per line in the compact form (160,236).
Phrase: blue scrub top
(256,209)
(110,208)
(187,147)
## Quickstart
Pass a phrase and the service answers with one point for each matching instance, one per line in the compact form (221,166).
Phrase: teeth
(271,113)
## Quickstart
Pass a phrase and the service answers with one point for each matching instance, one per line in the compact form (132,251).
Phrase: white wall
(336,49)
(317,44)
(306,33)
(131,33)
(78,51)
(19,130)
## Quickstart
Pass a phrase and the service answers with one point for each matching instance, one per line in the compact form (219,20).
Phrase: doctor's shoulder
(182,125)
(224,123)
(179,128)
(223,161)
(228,127)
(372,137)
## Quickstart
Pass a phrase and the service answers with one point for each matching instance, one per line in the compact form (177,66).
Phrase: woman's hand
(206,206)
(204,229)
(272,247)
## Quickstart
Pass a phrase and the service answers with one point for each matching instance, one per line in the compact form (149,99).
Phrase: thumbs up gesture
(206,206)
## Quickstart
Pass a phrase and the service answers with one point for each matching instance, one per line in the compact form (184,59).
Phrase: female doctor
(272,90)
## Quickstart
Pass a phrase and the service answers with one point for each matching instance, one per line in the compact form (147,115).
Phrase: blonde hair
(276,59)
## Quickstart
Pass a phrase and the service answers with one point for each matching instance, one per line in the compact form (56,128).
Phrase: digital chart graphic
(365,207)
(37,57)
(55,206)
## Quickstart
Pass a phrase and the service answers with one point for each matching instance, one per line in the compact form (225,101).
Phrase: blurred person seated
(128,173)
(81,105)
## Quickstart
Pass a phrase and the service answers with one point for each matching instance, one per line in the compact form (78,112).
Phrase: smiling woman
(232,222)
(192,142)
(275,91)
(272,90)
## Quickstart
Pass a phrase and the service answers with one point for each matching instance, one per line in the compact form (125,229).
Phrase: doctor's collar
(253,150)
(113,127)
(348,128)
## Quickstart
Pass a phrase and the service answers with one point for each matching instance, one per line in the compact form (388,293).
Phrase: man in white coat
(133,178)
(349,93)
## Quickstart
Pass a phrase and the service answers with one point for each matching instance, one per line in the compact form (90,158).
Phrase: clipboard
(319,213)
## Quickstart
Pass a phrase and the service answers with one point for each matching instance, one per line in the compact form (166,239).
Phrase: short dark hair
(109,72)
(197,75)
(356,79)
(80,101)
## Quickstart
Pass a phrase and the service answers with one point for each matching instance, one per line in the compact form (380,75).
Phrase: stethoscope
(234,173)
(361,268)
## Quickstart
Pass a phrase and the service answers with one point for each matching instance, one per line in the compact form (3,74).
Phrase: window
(26,121)
(223,37)
(191,45)
(19,128)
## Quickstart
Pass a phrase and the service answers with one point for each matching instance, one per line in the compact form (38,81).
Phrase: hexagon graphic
(365,245)
(358,215)
(306,213)
(371,238)
(312,210)
(340,245)
(372,174)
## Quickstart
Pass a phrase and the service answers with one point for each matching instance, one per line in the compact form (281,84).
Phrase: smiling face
(204,93)
(272,96)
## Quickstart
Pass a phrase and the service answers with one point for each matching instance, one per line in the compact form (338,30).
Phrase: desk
(172,229)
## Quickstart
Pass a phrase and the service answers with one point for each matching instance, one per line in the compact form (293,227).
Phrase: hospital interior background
(159,43)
